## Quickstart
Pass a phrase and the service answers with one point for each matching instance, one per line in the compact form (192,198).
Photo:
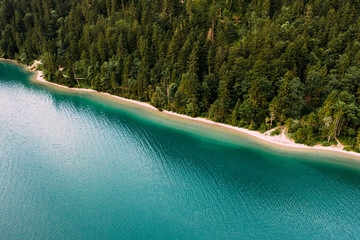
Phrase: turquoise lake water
(78,166)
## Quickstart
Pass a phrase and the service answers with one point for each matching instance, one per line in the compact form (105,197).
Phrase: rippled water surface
(76,167)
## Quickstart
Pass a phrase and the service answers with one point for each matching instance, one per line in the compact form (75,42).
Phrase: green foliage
(158,99)
(275,132)
(254,64)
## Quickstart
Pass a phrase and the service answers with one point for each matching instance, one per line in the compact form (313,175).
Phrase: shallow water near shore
(80,166)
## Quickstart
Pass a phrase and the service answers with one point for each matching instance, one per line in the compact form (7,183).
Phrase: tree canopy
(250,63)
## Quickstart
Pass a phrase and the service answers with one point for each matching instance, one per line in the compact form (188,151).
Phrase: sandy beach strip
(279,140)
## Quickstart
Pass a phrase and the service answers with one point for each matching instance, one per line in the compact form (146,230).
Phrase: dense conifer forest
(255,64)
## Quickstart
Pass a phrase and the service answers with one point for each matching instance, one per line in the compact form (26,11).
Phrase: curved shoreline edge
(275,141)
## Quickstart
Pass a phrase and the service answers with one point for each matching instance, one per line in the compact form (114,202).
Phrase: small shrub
(351,149)
(275,132)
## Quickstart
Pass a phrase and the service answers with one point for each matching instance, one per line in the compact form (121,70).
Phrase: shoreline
(275,141)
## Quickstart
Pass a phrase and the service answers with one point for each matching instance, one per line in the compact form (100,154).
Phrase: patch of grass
(328,144)
(275,132)
(351,149)
(347,141)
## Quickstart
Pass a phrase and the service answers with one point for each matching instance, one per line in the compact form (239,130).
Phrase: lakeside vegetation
(253,64)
